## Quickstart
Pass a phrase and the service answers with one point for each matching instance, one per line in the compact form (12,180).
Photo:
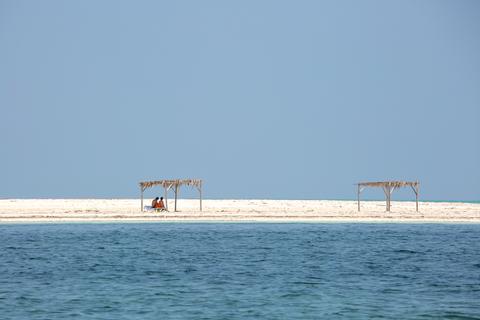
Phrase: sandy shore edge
(282,211)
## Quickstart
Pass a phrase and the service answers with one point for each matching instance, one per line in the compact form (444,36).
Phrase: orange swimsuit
(159,205)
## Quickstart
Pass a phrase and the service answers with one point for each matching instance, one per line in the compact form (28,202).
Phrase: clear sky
(261,99)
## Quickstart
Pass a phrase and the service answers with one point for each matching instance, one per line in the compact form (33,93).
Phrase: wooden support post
(141,198)
(415,190)
(416,196)
(358,197)
(200,190)
(416,200)
(387,197)
(165,193)
(176,194)
(390,198)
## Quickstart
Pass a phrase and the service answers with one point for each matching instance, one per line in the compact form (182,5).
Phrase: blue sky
(261,99)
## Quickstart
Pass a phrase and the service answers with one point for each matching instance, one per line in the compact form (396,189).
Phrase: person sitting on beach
(154,202)
(159,205)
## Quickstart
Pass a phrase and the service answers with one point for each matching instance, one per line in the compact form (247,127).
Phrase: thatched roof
(394,184)
(171,183)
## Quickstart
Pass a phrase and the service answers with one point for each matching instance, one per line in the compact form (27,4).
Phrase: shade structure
(173,184)
(388,188)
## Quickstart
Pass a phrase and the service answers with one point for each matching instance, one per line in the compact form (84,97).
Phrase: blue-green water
(239,271)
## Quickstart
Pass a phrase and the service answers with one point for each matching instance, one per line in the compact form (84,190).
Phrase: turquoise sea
(239,271)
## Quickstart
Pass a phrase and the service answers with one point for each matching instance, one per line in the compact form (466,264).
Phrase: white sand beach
(128,210)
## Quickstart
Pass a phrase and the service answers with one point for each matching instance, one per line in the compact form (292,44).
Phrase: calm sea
(240,271)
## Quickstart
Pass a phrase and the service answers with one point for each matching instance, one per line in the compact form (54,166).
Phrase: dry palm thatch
(392,184)
(171,183)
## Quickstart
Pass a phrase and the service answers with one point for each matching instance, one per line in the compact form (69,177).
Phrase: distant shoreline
(219,221)
(235,210)
(252,199)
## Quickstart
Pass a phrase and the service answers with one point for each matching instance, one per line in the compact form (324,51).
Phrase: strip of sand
(128,210)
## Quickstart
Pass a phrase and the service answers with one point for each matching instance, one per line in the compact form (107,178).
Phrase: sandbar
(129,210)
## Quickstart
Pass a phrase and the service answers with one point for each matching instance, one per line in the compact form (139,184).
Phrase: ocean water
(239,271)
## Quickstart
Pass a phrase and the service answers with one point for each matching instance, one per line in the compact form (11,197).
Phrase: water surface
(239,271)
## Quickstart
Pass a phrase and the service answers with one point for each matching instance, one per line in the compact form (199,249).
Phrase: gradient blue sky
(261,99)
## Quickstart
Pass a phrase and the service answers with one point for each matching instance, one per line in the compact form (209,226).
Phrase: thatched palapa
(174,185)
(388,188)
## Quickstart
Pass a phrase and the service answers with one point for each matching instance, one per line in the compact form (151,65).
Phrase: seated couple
(158,205)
